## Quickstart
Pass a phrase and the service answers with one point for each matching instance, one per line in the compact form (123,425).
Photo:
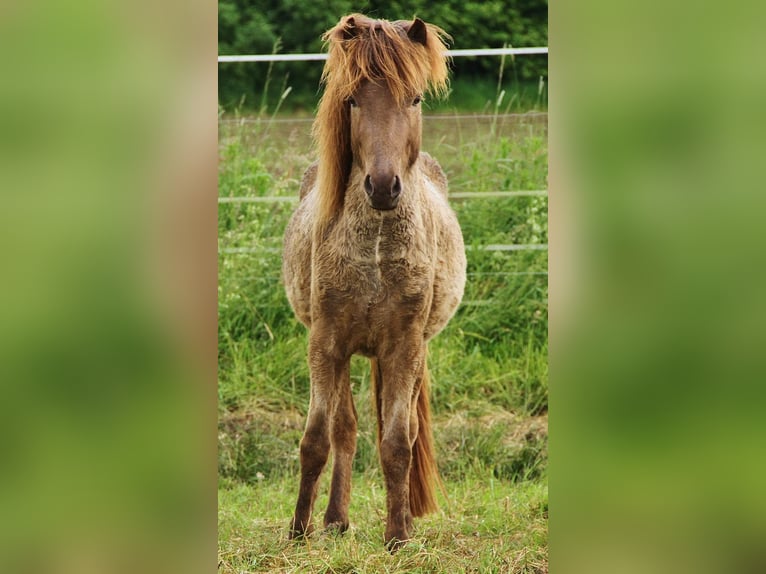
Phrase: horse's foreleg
(343,439)
(399,376)
(314,448)
(315,444)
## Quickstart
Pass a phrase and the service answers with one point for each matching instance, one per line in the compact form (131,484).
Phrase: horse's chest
(373,284)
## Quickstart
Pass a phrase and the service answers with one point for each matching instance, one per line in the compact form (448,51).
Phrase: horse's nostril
(368,185)
(396,189)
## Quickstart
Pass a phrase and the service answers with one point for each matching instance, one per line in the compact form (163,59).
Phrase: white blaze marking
(377,245)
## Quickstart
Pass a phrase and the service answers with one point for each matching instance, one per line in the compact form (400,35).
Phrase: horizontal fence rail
(512,247)
(278,276)
(426,117)
(454,195)
(312,57)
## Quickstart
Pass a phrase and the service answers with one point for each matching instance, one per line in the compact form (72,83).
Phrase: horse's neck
(367,233)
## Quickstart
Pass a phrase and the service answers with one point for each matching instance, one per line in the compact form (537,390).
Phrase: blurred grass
(489,366)
(103,393)
(468,93)
(659,329)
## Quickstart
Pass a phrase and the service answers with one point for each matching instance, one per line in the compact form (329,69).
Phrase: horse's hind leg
(343,439)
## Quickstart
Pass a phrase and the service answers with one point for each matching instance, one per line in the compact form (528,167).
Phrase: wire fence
(426,118)
(452,195)
(277,278)
(491,247)
(537,50)
(456,196)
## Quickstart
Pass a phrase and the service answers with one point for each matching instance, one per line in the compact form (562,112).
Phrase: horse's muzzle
(383,191)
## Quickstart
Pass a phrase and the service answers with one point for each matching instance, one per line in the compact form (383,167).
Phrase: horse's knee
(395,455)
(344,425)
(314,449)
(344,435)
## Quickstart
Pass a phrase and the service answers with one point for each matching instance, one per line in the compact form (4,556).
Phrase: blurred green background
(657,308)
(657,288)
(107,296)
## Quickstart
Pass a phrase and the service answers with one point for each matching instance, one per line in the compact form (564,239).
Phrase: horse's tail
(424,474)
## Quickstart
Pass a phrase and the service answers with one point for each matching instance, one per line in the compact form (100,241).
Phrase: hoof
(335,522)
(336,527)
(394,543)
(298,532)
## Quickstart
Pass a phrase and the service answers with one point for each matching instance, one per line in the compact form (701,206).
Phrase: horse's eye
(352,102)
(416,101)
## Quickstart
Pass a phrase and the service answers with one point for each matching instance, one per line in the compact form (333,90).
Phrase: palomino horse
(374,264)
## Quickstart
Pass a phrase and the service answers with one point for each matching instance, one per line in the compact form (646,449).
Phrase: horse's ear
(349,28)
(417,31)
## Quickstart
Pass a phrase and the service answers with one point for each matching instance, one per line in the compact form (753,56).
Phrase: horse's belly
(444,307)
(407,298)
(448,287)
(366,306)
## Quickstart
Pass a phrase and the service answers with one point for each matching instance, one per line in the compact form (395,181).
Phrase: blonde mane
(359,49)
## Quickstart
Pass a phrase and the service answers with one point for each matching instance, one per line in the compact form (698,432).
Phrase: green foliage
(295,26)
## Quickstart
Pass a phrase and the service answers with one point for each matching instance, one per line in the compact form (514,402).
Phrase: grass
(468,93)
(490,526)
(489,366)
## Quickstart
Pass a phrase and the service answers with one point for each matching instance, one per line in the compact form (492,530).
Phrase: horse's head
(385,140)
(369,117)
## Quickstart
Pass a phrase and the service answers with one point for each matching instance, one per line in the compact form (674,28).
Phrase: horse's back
(434,172)
(309,179)
(296,258)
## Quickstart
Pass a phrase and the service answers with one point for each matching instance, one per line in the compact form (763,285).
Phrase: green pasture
(489,366)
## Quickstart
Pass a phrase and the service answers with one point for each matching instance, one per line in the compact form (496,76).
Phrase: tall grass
(468,93)
(489,366)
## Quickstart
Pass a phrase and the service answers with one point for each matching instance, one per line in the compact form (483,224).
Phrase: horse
(373,264)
